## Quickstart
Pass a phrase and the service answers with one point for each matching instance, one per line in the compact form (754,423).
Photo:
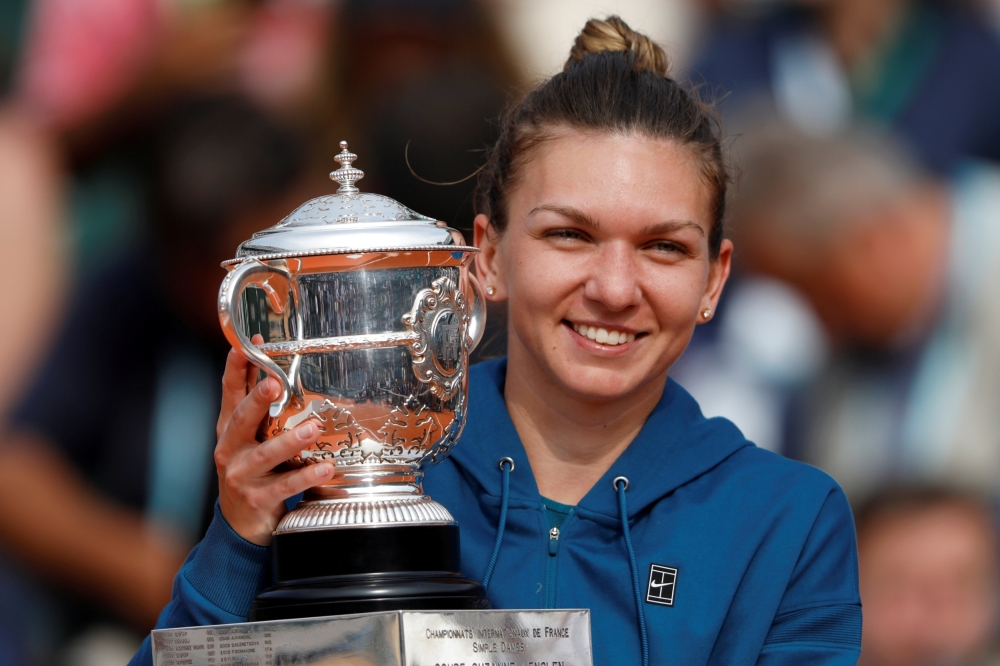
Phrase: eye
(668,247)
(565,234)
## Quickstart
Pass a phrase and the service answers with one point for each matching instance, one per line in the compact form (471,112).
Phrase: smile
(603,336)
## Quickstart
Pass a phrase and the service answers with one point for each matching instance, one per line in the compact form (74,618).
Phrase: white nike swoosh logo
(661,584)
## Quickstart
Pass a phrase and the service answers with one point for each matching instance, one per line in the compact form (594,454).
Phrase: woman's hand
(251,493)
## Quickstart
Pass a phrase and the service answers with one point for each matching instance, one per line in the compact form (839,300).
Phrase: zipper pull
(553,541)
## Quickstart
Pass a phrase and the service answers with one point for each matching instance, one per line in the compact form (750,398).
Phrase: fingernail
(306,431)
(269,387)
(323,469)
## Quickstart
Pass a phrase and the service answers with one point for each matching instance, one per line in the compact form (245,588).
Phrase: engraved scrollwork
(451,433)
(341,436)
(409,430)
(440,319)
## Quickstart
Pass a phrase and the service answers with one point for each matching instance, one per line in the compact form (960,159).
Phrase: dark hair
(615,81)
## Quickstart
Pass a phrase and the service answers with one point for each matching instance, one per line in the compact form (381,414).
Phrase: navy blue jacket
(763,547)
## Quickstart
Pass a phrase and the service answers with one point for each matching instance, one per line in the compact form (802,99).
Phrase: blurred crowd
(142,140)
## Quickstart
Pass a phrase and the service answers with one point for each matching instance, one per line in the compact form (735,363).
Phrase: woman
(585,477)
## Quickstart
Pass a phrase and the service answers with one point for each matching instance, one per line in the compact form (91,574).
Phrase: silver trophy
(368,312)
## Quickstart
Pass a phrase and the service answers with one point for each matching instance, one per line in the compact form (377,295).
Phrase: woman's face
(605,262)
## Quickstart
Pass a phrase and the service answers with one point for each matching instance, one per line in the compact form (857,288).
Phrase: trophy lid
(349,222)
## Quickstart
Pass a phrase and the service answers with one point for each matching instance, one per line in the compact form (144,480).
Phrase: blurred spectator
(431,76)
(930,583)
(903,274)
(95,75)
(32,220)
(928,69)
(106,471)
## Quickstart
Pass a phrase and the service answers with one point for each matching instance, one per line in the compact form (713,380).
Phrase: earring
(490,290)
(705,313)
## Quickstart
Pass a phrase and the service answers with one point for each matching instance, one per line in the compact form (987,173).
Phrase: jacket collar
(676,445)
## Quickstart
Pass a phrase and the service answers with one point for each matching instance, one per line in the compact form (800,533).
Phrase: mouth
(602,335)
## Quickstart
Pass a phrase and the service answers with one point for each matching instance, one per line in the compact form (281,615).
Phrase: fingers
(242,427)
(235,381)
(292,483)
(275,451)
(234,388)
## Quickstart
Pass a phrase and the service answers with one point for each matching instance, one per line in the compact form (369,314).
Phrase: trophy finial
(346,175)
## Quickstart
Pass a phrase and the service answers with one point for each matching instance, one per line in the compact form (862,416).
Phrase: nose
(614,278)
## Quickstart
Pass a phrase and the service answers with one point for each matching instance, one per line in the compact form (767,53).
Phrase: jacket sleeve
(216,585)
(819,619)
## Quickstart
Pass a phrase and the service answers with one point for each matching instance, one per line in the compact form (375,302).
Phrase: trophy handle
(275,283)
(477,323)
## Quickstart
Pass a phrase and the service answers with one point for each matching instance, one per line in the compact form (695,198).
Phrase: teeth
(603,336)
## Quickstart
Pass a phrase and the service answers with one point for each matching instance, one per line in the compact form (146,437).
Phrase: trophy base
(401,638)
(343,571)
(347,595)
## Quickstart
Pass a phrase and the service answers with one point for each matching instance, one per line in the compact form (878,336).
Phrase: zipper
(550,568)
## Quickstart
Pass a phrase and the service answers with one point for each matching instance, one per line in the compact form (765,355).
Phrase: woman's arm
(224,573)
(819,618)
(216,585)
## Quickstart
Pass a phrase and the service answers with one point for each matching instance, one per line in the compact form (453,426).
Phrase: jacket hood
(676,445)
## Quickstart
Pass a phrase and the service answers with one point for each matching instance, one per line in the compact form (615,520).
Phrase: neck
(571,442)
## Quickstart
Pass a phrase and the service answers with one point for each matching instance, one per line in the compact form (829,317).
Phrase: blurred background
(142,140)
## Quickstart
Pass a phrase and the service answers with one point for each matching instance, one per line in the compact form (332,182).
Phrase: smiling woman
(586,478)
(608,234)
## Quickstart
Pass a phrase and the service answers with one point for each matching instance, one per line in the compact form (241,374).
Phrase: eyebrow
(570,212)
(648,230)
(670,225)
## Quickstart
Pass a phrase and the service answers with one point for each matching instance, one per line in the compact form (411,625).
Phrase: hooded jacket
(730,554)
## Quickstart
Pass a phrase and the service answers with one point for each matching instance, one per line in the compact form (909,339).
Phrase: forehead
(625,179)
(943,529)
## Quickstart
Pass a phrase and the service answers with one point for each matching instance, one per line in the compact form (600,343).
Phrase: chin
(602,384)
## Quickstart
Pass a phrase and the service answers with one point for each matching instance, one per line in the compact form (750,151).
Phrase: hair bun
(613,34)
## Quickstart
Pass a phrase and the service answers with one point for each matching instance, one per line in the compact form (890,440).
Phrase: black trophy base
(367,569)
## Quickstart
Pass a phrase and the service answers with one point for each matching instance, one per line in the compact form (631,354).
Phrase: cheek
(675,294)
(540,279)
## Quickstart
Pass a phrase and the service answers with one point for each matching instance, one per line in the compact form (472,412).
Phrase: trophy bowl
(368,312)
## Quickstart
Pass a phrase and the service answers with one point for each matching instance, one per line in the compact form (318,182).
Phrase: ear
(717,276)
(488,261)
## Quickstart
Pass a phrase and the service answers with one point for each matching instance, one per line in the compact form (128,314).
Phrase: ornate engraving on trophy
(342,436)
(410,429)
(447,347)
(440,319)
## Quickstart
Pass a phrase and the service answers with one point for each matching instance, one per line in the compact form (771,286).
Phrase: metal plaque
(400,638)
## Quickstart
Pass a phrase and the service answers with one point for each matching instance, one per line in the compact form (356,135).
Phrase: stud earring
(705,313)
(490,290)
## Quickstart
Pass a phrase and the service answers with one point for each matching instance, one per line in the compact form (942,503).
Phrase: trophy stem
(360,480)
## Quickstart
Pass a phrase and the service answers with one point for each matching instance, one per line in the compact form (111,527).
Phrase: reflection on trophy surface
(368,312)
